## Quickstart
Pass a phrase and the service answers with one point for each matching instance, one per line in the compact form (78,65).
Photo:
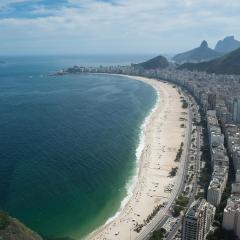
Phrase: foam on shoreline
(131,184)
(141,144)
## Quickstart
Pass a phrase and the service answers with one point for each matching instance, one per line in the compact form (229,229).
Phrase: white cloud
(129,25)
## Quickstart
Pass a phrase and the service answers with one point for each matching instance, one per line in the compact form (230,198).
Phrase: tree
(4,220)
(158,234)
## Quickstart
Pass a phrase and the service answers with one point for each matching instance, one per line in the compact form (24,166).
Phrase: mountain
(200,54)
(228,64)
(228,44)
(11,229)
(159,62)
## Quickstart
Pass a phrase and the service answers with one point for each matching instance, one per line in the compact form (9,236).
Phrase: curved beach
(163,136)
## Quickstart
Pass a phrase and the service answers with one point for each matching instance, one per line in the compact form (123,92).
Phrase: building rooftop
(195,208)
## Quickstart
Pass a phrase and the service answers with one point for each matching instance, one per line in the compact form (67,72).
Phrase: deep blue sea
(68,143)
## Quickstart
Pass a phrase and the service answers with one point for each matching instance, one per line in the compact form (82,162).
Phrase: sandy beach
(163,136)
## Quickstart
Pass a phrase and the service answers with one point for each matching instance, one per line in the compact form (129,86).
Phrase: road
(172,234)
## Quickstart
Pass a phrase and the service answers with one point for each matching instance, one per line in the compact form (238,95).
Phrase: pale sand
(163,136)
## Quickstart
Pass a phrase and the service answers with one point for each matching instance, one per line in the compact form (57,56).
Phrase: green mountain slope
(228,64)
(159,62)
(12,229)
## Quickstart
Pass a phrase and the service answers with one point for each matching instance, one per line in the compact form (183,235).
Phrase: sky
(114,26)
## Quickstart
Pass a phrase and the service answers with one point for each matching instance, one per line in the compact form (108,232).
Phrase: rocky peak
(228,44)
(229,38)
(204,44)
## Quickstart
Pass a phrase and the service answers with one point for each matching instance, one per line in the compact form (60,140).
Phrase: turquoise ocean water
(67,144)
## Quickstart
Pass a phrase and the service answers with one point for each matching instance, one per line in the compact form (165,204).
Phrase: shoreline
(131,184)
(144,194)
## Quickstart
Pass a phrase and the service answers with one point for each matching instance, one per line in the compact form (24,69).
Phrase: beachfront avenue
(176,230)
(164,217)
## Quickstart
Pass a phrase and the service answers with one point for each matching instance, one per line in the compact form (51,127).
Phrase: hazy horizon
(50,27)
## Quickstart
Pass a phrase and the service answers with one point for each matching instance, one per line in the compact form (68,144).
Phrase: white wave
(130,186)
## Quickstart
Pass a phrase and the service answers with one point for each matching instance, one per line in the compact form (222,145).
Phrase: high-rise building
(198,220)
(236,110)
(211,101)
(236,185)
(236,160)
(215,191)
(237,180)
(231,214)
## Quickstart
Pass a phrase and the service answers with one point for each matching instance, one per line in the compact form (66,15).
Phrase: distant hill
(12,229)
(159,62)
(228,64)
(228,44)
(200,54)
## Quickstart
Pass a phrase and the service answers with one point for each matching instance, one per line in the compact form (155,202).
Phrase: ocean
(68,143)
